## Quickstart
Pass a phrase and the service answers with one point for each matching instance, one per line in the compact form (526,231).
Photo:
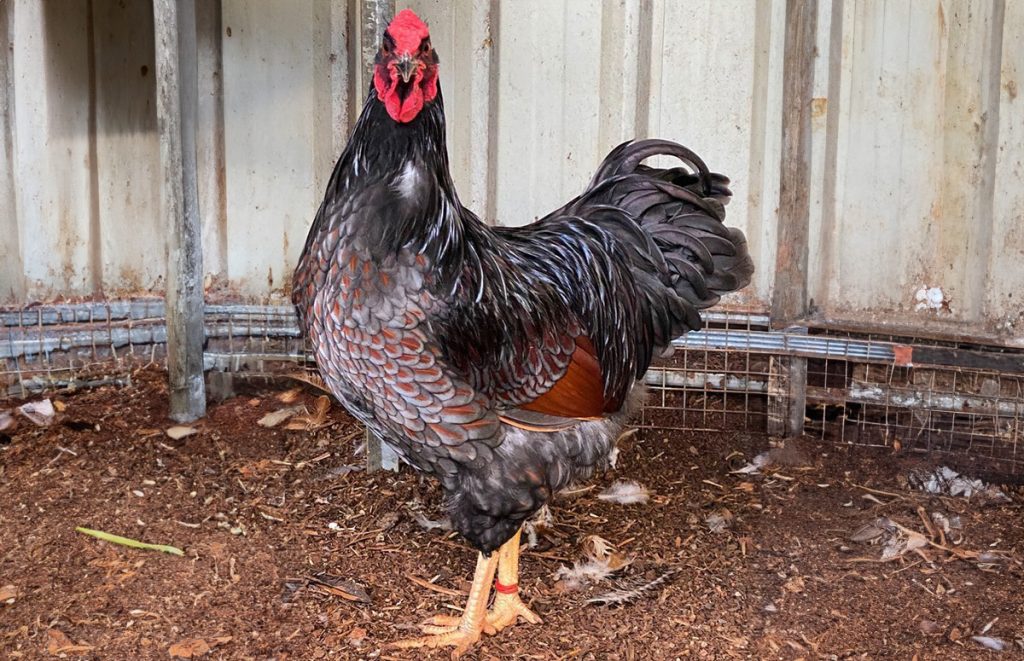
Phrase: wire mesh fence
(900,393)
(970,411)
(60,347)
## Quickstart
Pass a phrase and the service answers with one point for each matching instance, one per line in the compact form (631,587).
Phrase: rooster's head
(405,69)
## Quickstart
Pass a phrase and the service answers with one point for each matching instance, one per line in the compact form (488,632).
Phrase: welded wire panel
(59,347)
(714,380)
(728,377)
(962,412)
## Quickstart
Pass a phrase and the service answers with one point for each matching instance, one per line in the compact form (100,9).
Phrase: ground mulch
(291,551)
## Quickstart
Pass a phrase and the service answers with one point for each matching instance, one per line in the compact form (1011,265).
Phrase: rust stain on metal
(819,106)
(903,355)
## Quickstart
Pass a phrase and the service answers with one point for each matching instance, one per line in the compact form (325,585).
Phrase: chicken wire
(736,374)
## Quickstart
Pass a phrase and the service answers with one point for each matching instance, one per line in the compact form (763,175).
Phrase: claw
(507,609)
(459,639)
(442,624)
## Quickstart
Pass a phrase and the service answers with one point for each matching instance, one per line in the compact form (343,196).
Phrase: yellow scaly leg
(466,631)
(508,607)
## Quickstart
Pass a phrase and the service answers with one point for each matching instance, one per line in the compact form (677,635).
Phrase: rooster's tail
(681,212)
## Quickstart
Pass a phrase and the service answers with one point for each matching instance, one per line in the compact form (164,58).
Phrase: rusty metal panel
(917,149)
(702,54)
(916,178)
(51,147)
(1004,282)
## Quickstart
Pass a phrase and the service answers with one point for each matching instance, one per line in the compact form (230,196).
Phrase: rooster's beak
(406,67)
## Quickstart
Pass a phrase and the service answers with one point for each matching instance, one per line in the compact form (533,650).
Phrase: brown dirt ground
(259,511)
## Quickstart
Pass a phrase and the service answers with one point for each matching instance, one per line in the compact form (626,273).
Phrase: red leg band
(506,589)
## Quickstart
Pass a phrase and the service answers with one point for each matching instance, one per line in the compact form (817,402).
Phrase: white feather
(583,573)
(408,180)
(625,492)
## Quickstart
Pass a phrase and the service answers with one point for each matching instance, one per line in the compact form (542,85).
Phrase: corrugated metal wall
(918,181)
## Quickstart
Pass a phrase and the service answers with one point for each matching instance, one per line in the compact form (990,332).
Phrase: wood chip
(193,648)
(57,642)
(8,594)
(795,585)
(179,432)
(190,648)
(274,418)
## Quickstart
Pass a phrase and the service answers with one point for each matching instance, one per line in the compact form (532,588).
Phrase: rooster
(504,361)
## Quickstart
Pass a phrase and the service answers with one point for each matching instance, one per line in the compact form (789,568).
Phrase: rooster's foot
(506,610)
(442,624)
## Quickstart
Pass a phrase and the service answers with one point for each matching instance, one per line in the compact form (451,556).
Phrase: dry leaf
(179,432)
(340,587)
(289,396)
(57,642)
(8,594)
(59,405)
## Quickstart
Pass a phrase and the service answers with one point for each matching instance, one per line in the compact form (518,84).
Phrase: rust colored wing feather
(580,391)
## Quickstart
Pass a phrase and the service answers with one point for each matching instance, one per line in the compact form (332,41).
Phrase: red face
(405,70)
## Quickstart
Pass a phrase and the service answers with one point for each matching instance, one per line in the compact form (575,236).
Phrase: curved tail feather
(687,258)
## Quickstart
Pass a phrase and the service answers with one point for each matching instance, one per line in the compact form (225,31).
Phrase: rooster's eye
(425,46)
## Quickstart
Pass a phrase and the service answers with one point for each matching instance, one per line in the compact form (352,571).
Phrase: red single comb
(408,31)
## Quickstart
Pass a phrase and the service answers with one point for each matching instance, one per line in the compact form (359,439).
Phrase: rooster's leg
(467,631)
(508,607)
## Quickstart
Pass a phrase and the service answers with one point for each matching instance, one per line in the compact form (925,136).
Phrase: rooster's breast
(370,333)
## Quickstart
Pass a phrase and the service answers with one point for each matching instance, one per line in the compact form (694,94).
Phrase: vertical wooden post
(177,96)
(787,393)
(789,296)
(374,16)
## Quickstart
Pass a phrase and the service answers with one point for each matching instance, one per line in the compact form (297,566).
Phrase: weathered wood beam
(177,100)
(789,296)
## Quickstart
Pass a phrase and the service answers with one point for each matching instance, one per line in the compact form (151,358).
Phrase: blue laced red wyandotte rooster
(502,361)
